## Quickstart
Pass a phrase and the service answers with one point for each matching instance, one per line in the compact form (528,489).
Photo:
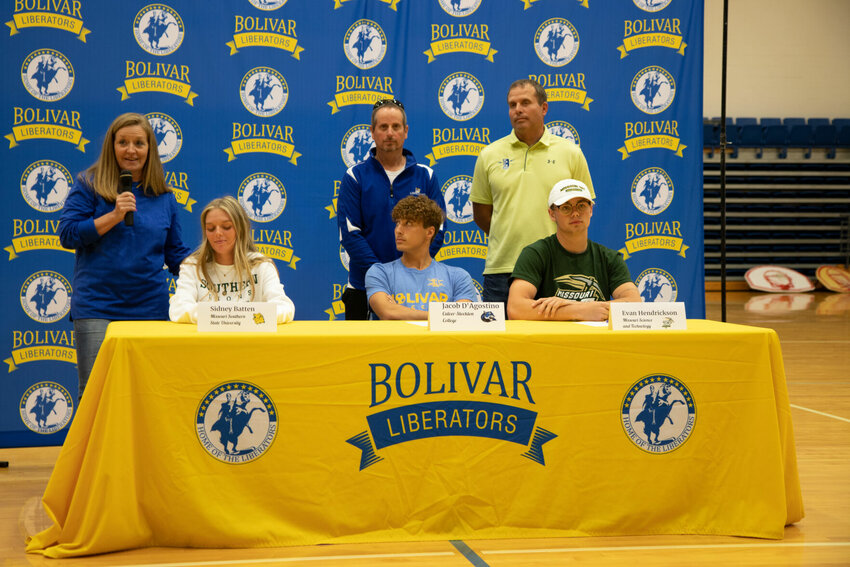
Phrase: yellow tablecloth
(384,431)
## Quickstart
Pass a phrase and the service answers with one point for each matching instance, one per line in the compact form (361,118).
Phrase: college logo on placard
(564,130)
(46,296)
(263,197)
(45,185)
(46,407)
(267,5)
(365,44)
(653,89)
(459,8)
(236,422)
(556,42)
(169,136)
(158,29)
(344,258)
(652,5)
(263,91)
(356,144)
(654,284)
(458,206)
(658,413)
(47,75)
(461,96)
(652,191)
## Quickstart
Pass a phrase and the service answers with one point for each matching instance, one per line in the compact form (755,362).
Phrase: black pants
(356,306)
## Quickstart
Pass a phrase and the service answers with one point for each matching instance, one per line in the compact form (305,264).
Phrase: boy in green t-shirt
(565,276)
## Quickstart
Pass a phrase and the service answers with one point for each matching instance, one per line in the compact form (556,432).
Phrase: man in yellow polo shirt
(512,176)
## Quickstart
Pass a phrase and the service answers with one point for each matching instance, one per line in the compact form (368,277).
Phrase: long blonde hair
(103,175)
(245,253)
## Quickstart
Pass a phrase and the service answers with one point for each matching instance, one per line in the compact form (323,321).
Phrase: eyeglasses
(384,101)
(581,207)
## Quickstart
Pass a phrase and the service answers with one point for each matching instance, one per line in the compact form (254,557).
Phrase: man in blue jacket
(367,195)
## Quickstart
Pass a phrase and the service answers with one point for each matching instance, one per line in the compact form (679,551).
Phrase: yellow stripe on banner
(570,95)
(279,253)
(47,131)
(258,39)
(42,352)
(34,242)
(26,20)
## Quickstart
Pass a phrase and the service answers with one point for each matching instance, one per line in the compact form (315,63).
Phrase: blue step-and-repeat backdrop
(270,101)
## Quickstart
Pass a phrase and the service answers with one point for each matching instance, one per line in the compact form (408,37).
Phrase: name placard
(466,316)
(259,317)
(647,316)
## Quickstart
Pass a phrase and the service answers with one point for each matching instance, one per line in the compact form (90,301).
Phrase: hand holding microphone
(124,186)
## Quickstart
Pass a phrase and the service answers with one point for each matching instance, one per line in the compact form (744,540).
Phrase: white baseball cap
(567,189)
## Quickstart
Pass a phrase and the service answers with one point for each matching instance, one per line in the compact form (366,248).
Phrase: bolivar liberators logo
(356,144)
(46,407)
(564,130)
(250,138)
(46,296)
(263,196)
(652,134)
(452,142)
(34,346)
(460,8)
(167,78)
(158,29)
(253,31)
(653,89)
(460,38)
(657,235)
(658,413)
(655,284)
(355,89)
(556,42)
(456,193)
(169,136)
(61,15)
(46,124)
(657,32)
(652,5)
(45,184)
(391,4)
(652,191)
(236,422)
(413,381)
(365,44)
(29,235)
(564,87)
(263,91)
(461,96)
(47,75)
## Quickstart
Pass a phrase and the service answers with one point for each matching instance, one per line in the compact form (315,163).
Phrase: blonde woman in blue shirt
(227,267)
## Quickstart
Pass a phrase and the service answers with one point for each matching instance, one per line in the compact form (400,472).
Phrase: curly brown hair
(419,208)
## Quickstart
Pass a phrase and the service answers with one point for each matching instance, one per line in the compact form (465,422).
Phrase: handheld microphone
(125,183)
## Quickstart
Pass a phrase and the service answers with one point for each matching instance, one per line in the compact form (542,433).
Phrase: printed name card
(259,317)
(647,316)
(466,316)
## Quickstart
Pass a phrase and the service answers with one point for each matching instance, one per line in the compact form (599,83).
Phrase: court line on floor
(294,559)
(719,547)
(467,552)
(844,419)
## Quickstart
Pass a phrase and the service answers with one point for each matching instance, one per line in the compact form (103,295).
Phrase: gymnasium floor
(814,330)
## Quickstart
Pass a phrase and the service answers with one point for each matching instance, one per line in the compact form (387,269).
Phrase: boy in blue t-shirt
(402,289)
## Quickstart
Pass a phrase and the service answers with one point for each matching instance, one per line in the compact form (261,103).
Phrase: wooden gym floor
(814,330)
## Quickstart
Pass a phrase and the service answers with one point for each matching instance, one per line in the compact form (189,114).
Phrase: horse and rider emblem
(653,89)
(169,136)
(158,29)
(356,144)
(461,96)
(45,185)
(47,75)
(264,91)
(658,413)
(460,8)
(365,44)
(46,407)
(458,206)
(263,197)
(556,42)
(655,284)
(652,191)
(564,130)
(46,296)
(236,422)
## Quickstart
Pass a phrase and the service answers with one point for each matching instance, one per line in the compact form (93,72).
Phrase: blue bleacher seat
(815,122)
(840,122)
(746,121)
(710,137)
(771,121)
(842,136)
(825,137)
(800,136)
(752,136)
(777,137)
(793,121)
